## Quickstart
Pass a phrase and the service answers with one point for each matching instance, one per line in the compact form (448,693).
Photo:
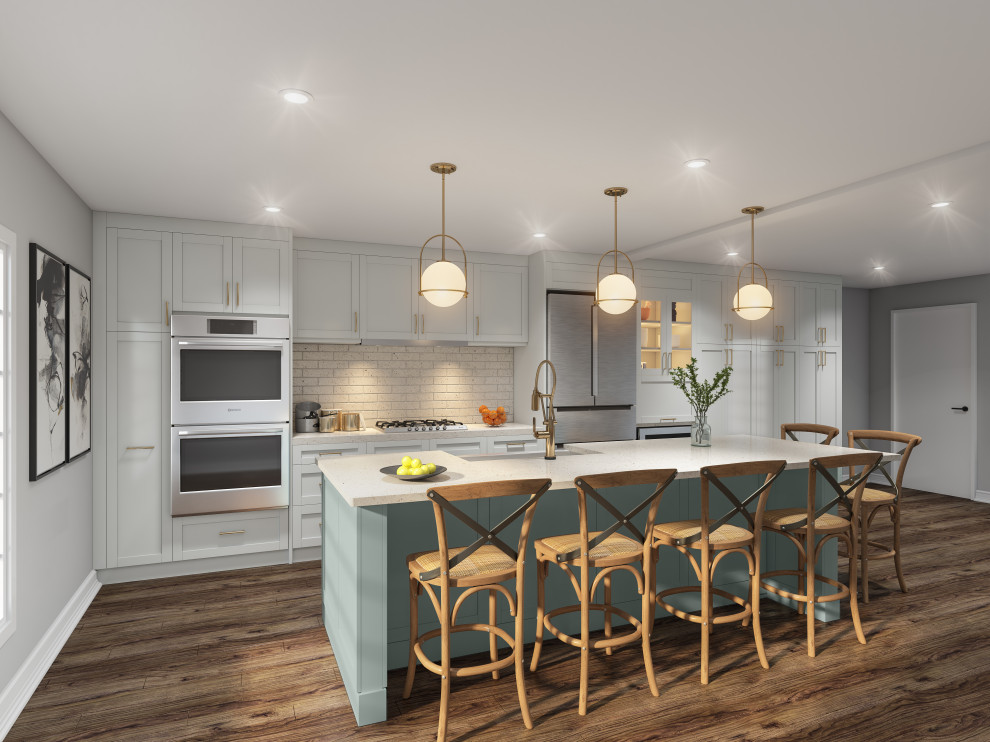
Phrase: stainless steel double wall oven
(231,389)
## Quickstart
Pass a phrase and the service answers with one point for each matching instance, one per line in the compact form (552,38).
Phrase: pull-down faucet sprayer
(544,402)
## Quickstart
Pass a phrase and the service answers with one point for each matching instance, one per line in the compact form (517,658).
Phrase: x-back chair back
(789,430)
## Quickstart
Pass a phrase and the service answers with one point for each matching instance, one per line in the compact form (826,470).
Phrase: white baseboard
(21,687)
(982,496)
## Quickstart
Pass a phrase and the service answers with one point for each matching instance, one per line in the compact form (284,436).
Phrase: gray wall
(53,526)
(855,360)
(972,289)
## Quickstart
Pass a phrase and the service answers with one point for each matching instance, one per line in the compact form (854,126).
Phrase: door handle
(230,533)
(964,408)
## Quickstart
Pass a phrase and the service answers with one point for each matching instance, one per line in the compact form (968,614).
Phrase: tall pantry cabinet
(143,268)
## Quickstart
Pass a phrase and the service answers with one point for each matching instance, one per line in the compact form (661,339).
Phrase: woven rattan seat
(872,495)
(614,545)
(682,529)
(487,560)
(789,516)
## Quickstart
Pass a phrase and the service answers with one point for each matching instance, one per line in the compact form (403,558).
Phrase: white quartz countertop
(361,484)
(473,431)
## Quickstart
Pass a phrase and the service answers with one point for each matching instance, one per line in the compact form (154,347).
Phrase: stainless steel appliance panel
(659,432)
(229,468)
(231,326)
(569,347)
(615,355)
(594,424)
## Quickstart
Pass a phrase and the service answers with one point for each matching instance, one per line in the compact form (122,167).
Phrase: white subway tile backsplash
(396,381)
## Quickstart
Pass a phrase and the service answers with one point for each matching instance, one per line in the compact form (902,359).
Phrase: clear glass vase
(701,431)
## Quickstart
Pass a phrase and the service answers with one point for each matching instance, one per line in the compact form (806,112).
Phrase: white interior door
(933,371)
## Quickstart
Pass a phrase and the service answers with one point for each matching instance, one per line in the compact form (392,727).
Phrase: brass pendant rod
(443,216)
(752,246)
(616,264)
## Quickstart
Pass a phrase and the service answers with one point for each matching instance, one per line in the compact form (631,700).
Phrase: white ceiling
(845,119)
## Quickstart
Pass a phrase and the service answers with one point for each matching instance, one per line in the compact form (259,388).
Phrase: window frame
(8,308)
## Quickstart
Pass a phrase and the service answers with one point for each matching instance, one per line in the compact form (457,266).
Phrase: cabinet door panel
(807,381)
(785,388)
(740,330)
(139,280)
(389,302)
(326,297)
(711,360)
(443,323)
(500,301)
(261,276)
(765,402)
(709,323)
(829,390)
(830,313)
(807,314)
(785,300)
(740,403)
(202,273)
(137,497)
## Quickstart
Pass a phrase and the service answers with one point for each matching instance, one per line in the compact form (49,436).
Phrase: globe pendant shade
(752,301)
(616,293)
(443,284)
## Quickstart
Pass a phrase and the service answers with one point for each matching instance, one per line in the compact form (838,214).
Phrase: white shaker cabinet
(389,302)
(500,301)
(780,327)
(819,387)
(326,297)
(777,390)
(202,272)
(262,281)
(820,314)
(138,494)
(139,280)
(442,323)
(734,413)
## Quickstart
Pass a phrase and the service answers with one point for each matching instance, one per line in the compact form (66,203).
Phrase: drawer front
(313,454)
(307,523)
(400,447)
(307,486)
(204,536)
(517,444)
(460,446)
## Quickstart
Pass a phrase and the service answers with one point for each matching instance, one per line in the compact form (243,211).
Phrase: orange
(500,410)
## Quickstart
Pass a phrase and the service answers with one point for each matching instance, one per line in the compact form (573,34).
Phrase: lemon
(431,467)
(415,464)
(406,461)
(403,471)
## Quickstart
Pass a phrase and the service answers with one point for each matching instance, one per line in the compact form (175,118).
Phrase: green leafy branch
(701,394)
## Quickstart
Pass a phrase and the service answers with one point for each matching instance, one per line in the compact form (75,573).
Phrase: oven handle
(229,434)
(231,343)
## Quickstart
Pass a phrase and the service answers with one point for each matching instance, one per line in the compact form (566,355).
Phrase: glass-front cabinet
(665,336)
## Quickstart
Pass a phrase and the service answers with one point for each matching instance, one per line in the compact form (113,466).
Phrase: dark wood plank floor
(242,656)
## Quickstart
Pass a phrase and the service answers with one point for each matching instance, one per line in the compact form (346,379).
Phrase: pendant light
(443,283)
(616,293)
(753,300)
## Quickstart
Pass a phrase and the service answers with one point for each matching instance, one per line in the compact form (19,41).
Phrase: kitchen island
(372,521)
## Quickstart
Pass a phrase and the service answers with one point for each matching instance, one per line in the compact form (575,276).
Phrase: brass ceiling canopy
(443,168)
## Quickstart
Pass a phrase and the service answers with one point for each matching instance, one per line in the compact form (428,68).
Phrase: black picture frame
(79,363)
(46,374)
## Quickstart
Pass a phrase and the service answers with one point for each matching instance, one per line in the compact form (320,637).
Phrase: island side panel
(355,560)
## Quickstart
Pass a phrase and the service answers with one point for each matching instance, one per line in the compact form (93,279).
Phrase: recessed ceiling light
(273,209)
(878,267)
(291,95)
(539,234)
(698,162)
(940,204)
(732,254)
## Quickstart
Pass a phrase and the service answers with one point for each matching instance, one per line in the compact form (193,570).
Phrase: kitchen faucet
(545,402)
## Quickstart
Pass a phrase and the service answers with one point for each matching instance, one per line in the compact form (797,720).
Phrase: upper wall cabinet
(326,297)
(389,303)
(501,304)
(819,314)
(218,274)
(139,276)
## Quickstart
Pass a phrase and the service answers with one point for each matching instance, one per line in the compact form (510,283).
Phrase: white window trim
(7,388)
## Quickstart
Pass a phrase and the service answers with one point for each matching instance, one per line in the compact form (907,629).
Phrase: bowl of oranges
(494,418)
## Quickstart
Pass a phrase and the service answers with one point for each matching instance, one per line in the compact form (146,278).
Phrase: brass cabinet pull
(355,322)
(477,325)
(166,313)
(139,448)
(515,443)
(726,333)
(238,293)
(732,331)
(732,355)
(671,419)
(320,524)
(329,453)
(416,323)
(824,358)
(422,324)
(227,300)
(231,533)
(825,335)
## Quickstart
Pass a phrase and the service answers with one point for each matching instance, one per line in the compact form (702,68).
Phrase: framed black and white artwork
(78,362)
(47,375)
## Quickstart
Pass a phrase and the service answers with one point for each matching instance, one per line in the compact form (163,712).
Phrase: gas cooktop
(420,426)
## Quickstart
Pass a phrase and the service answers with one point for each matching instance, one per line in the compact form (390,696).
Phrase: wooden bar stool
(875,500)
(788,430)
(719,536)
(482,566)
(802,525)
(608,552)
